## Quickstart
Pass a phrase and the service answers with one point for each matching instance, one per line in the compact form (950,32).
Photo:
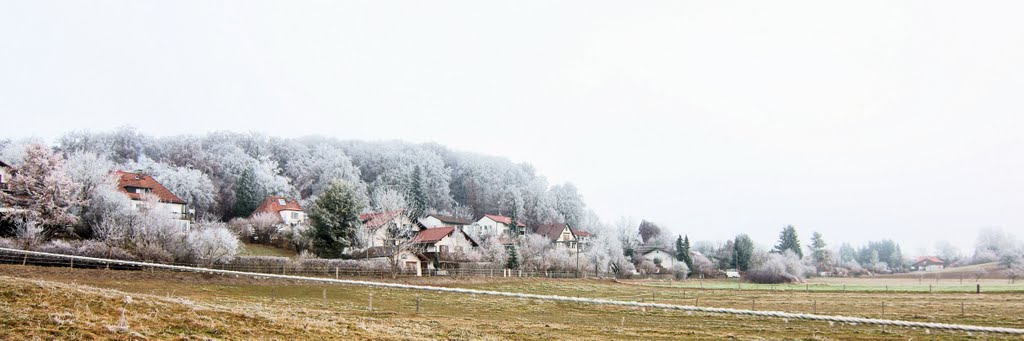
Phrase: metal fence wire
(121,264)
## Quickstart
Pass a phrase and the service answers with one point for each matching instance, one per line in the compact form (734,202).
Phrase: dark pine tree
(513,258)
(687,257)
(248,194)
(788,240)
(417,197)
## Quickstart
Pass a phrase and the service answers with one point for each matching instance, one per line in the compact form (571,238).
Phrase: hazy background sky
(862,120)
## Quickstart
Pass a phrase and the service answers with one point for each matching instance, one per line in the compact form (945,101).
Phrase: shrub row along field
(51,302)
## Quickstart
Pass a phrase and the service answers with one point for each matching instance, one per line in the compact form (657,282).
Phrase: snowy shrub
(531,252)
(703,266)
(212,244)
(152,252)
(7,243)
(258,263)
(296,237)
(96,249)
(241,228)
(647,267)
(880,268)
(58,246)
(558,258)
(28,234)
(777,268)
(264,227)
(679,270)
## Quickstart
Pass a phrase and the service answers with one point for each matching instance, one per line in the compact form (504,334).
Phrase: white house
(445,245)
(928,263)
(658,255)
(376,224)
(288,210)
(137,185)
(558,233)
(5,175)
(437,220)
(491,225)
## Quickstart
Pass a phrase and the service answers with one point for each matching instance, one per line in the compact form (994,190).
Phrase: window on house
(295,215)
(443,248)
(281,202)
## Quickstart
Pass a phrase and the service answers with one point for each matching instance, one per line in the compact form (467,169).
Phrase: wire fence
(41,258)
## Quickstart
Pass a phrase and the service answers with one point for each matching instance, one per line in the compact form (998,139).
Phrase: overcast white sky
(859,119)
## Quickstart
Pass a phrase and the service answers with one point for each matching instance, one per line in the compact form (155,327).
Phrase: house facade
(288,210)
(658,255)
(928,263)
(495,225)
(137,185)
(6,172)
(376,225)
(443,246)
(559,234)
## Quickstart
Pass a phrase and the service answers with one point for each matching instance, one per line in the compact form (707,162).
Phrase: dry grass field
(52,302)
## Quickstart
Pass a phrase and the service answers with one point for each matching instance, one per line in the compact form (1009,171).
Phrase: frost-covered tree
(335,217)
(212,243)
(607,255)
(819,252)
(649,231)
(788,240)
(94,181)
(264,226)
(568,203)
(41,191)
(493,251)
(28,234)
(948,252)
(629,237)
(782,267)
(531,250)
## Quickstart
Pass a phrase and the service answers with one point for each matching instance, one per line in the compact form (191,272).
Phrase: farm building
(928,263)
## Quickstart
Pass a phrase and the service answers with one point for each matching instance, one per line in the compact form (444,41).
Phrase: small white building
(658,255)
(6,171)
(136,186)
(928,263)
(376,224)
(495,225)
(288,210)
(438,220)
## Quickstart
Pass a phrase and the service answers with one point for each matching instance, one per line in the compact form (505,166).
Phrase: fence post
(883,308)
(273,294)
(752,301)
(961,309)
(929,288)
(417,304)
(323,298)
(979,289)
(335,272)
(24,260)
(72,263)
(815,306)
(371,301)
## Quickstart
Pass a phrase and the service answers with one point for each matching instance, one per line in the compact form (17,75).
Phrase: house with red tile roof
(138,187)
(287,209)
(444,247)
(928,263)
